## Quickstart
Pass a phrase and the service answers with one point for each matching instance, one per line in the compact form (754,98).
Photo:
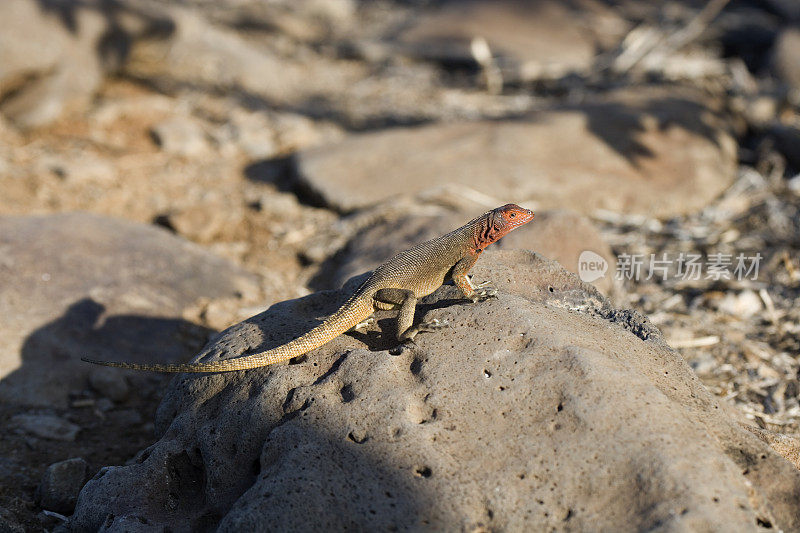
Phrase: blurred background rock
(300,142)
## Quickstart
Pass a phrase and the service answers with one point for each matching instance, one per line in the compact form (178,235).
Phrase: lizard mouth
(522,219)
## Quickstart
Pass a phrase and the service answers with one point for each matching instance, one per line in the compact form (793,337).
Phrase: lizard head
(498,222)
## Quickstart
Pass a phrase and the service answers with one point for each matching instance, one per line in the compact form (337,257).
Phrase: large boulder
(544,408)
(199,53)
(655,152)
(76,284)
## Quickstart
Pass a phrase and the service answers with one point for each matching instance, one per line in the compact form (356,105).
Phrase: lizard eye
(512,215)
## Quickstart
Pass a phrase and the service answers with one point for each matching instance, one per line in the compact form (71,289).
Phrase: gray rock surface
(542,409)
(46,426)
(534,39)
(46,66)
(650,152)
(61,484)
(558,235)
(181,136)
(77,285)
(200,53)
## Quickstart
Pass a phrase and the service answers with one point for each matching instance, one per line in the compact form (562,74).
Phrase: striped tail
(356,309)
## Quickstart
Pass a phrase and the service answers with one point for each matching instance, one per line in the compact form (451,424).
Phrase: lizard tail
(351,313)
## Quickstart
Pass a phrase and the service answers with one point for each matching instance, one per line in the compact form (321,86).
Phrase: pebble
(181,136)
(46,426)
(61,484)
(743,305)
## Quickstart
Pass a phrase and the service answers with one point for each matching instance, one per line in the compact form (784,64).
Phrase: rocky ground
(258,151)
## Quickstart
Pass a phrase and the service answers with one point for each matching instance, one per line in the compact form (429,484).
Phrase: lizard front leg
(462,281)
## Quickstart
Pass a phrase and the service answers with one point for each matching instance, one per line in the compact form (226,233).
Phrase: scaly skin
(398,283)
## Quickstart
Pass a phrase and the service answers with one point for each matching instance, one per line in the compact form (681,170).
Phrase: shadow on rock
(623,133)
(51,353)
(123,25)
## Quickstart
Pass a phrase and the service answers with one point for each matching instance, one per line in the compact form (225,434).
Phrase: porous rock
(544,408)
(559,235)
(654,152)
(74,285)
(61,484)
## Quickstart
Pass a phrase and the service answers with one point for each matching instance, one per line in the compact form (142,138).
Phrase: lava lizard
(398,283)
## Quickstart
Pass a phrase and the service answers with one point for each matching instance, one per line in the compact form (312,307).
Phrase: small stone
(761,110)
(704,364)
(742,305)
(786,57)
(253,134)
(104,405)
(110,382)
(47,427)
(61,484)
(181,136)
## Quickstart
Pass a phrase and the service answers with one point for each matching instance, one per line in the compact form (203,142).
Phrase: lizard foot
(424,327)
(432,325)
(402,347)
(484,291)
(364,323)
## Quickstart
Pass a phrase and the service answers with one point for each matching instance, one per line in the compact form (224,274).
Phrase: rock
(46,427)
(76,285)
(651,152)
(181,135)
(743,305)
(788,9)
(48,59)
(746,33)
(104,405)
(760,111)
(544,408)
(786,57)
(252,133)
(61,484)
(786,445)
(531,40)
(558,235)
(787,142)
(198,53)
(8,524)
(110,383)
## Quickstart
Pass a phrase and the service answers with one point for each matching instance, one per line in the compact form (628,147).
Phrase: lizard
(397,284)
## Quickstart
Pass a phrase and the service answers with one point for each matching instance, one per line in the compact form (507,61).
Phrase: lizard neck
(485,230)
